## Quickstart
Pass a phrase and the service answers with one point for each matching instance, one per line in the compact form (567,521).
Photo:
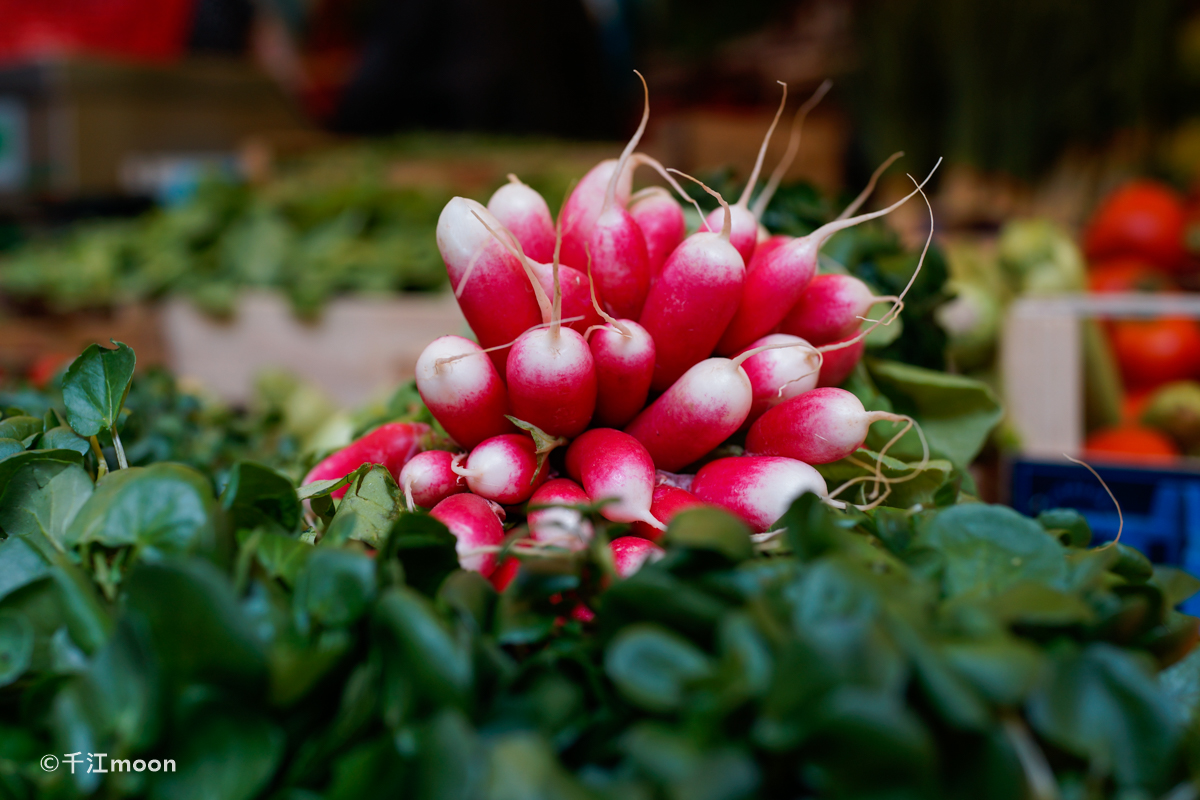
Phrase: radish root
(760,204)
(744,200)
(1120,516)
(653,163)
(611,194)
(513,246)
(621,329)
(870,187)
(727,228)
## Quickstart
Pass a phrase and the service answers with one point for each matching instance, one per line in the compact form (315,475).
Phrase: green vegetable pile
(273,643)
(348,220)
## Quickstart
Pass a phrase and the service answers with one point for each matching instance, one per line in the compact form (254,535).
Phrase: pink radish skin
(624,368)
(503,469)
(744,233)
(582,209)
(667,501)
(702,409)
(774,286)
(523,211)
(576,294)
(474,525)
(831,308)
(694,298)
(792,370)
(766,247)
(611,465)
(391,445)
(759,489)
(504,573)
(662,223)
(817,427)
(465,395)
(552,381)
(839,364)
(564,527)
(427,479)
(630,554)
(492,288)
(620,264)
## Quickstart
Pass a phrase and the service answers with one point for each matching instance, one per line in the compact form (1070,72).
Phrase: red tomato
(1142,218)
(1133,405)
(1156,351)
(1126,274)
(1130,441)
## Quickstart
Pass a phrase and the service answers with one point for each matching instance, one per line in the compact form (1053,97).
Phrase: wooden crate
(25,339)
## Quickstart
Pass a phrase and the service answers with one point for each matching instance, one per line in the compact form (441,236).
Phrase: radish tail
(653,163)
(727,228)
(744,200)
(519,254)
(1120,516)
(870,187)
(611,194)
(760,205)
(622,329)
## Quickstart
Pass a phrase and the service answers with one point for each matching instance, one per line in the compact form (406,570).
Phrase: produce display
(598,557)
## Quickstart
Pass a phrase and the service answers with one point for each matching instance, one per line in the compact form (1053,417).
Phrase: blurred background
(233,186)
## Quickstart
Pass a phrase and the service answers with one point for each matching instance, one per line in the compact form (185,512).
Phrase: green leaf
(168,507)
(1002,669)
(653,667)
(988,549)
(10,447)
(225,752)
(916,489)
(95,386)
(1176,585)
(1102,704)
(15,463)
(63,438)
(376,501)
(522,766)
(40,500)
(257,495)
(281,556)
(16,645)
(425,548)
(335,587)
(20,564)
(1068,525)
(812,528)
(423,648)
(20,428)
(711,529)
(956,413)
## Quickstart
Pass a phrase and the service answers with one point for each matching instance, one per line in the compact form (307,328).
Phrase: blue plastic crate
(1161,506)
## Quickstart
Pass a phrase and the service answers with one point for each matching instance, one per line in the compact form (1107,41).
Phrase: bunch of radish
(639,350)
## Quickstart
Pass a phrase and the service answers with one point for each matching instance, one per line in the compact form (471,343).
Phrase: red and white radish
(630,554)
(819,426)
(524,212)
(661,220)
(582,208)
(613,466)
(462,390)
(744,229)
(492,288)
(838,361)
(391,445)
(696,295)
(476,528)
(666,502)
(503,469)
(832,307)
(623,352)
(577,311)
(558,524)
(428,479)
(782,372)
(775,285)
(616,248)
(759,489)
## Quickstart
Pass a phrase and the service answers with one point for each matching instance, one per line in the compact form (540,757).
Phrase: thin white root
(514,247)
(760,204)
(653,163)
(611,193)
(616,323)
(1120,516)
(744,200)
(870,188)
(727,228)
(408,498)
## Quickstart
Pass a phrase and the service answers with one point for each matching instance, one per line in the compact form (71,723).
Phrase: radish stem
(870,187)
(611,193)
(727,228)
(760,204)
(744,200)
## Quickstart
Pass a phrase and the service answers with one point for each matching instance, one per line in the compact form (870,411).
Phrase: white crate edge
(357,349)
(1041,361)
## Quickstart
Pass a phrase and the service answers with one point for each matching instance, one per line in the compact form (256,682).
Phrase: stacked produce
(639,367)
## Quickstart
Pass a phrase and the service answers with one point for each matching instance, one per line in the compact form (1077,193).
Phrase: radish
(523,211)
(611,465)
(576,294)
(582,207)
(666,502)
(623,352)
(476,528)
(493,291)
(616,248)
(560,525)
(504,469)
(630,553)
(777,282)
(832,307)
(759,489)
(661,220)
(744,229)
(427,479)
(837,364)
(782,372)
(504,573)
(694,298)
(819,426)
(465,395)
(391,445)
